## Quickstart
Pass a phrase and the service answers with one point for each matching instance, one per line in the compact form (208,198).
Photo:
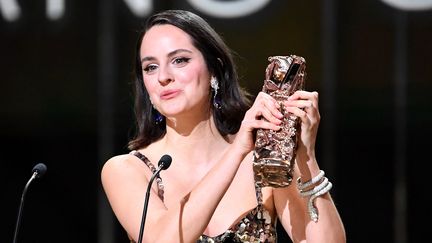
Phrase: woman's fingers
(305,95)
(300,103)
(304,105)
(302,94)
(300,113)
(266,111)
(265,107)
(255,124)
(307,101)
(264,114)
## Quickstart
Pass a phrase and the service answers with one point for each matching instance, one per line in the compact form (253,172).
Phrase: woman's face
(174,71)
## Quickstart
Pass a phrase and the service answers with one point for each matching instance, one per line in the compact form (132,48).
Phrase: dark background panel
(66,101)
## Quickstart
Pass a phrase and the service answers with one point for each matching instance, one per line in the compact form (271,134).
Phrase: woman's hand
(305,105)
(264,106)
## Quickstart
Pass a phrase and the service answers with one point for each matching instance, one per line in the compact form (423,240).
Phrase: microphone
(38,171)
(164,163)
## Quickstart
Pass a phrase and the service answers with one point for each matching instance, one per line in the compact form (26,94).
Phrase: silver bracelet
(302,186)
(313,212)
(315,189)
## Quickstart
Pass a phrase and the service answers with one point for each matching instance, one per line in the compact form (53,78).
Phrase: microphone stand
(22,205)
(38,171)
(147,196)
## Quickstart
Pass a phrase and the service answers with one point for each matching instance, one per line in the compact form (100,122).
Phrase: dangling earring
(157,117)
(215,86)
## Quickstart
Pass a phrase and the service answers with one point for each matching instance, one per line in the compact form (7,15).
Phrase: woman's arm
(125,180)
(290,206)
(124,183)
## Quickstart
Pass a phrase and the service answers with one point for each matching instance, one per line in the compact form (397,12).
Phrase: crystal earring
(215,87)
(157,117)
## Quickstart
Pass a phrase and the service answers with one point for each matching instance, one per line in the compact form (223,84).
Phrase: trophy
(275,151)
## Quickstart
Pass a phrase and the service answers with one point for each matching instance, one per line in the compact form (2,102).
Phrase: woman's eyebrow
(175,52)
(170,54)
(147,58)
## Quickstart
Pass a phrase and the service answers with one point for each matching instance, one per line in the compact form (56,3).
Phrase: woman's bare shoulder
(119,160)
(123,163)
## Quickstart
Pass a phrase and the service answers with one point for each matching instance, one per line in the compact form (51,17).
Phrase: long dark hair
(233,99)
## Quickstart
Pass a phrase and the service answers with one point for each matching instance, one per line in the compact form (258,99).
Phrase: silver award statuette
(275,151)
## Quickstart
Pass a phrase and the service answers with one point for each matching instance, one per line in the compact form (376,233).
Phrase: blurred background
(66,100)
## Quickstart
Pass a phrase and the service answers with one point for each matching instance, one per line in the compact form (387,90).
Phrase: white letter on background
(231,9)
(140,8)
(10,10)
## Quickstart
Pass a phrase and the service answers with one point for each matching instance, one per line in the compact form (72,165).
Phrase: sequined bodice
(256,227)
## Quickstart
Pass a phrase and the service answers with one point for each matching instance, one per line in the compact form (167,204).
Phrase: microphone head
(165,162)
(39,169)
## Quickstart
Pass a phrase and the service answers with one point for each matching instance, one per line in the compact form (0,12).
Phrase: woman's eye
(181,60)
(150,68)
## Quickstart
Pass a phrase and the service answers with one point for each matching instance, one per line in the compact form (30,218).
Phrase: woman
(189,105)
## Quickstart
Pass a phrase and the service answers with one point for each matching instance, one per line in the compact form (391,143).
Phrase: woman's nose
(165,77)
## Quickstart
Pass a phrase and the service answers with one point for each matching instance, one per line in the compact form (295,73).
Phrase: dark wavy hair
(233,99)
